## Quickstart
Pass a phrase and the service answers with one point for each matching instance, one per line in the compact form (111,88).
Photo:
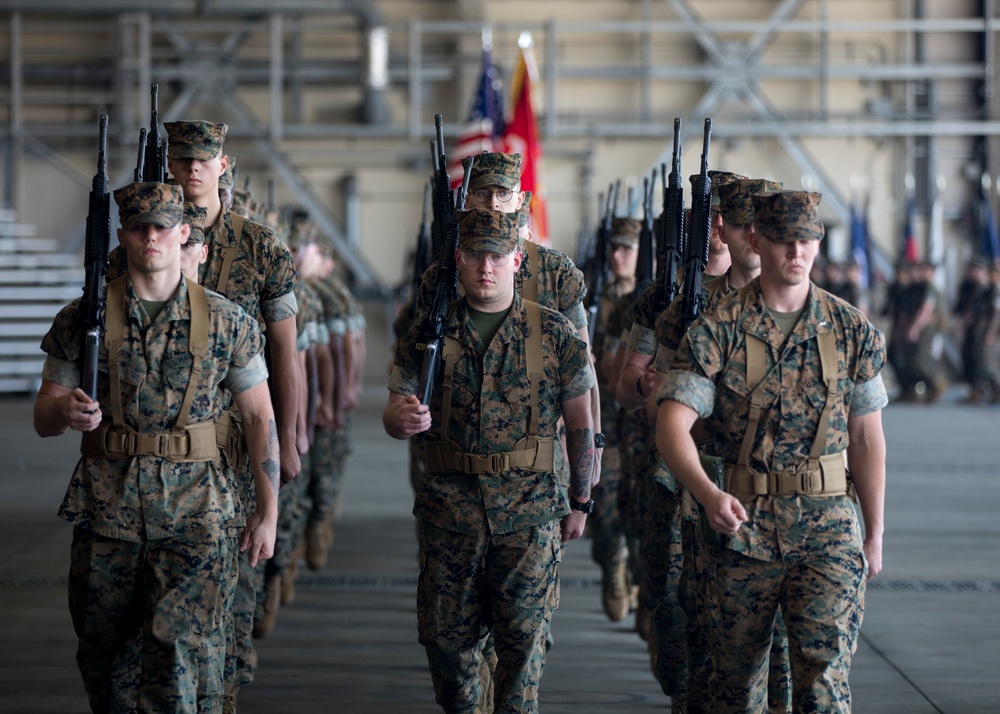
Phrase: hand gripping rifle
(446,220)
(599,276)
(95,259)
(644,265)
(672,230)
(696,258)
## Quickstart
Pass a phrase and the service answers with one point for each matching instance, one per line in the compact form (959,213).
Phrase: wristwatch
(599,440)
(587,507)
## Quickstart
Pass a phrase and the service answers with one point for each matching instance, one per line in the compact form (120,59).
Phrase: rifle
(672,230)
(644,266)
(95,259)
(696,258)
(600,261)
(154,151)
(140,162)
(443,201)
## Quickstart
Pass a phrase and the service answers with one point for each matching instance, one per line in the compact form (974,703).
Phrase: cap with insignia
(736,199)
(195,217)
(495,169)
(625,231)
(151,202)
(486,230)
(788,216)
(194,139)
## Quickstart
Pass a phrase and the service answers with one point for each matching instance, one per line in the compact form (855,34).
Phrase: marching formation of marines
(699,397)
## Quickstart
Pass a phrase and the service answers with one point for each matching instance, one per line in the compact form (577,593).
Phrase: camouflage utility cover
(625,231)
(717,180)
(195,139)
(486,230)
(495,169)
(489,414)
(736,199)
(150,202)
(146,497)
(228,178)
(788,216)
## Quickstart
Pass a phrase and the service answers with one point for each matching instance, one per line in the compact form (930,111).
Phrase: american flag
(485,124)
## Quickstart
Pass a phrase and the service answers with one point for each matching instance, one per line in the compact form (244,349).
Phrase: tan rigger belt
(828,478)
(196,442)
(531,454)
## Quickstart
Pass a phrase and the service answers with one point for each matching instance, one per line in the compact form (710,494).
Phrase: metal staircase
(35,282)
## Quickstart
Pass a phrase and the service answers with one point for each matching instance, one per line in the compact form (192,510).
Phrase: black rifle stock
(672,242)
(447,271)
(644,265)
(696,258)
(95,261)
(140,162)
(600,262)
(155,165)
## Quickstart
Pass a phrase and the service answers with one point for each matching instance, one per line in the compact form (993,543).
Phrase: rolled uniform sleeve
(869,397)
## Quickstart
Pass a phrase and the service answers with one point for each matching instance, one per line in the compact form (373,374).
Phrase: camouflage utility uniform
(490,542)
(154,539)
(797,551)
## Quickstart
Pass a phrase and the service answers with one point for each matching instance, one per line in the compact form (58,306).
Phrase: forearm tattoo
(271,466)
(580,448)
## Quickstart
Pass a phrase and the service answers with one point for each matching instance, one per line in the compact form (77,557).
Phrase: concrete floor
(930,641)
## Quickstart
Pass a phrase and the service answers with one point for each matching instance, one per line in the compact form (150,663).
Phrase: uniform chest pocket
(131,366)
(177,369)
(814,393)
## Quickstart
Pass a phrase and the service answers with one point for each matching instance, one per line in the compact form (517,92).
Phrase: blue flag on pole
(989,239)
(859,243)
(485,123)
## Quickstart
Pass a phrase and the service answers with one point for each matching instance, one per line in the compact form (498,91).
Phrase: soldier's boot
(487,672)
(289,576)
(643,621)
(229,701)
(935,388)
(263,626)
(615,590)
(653,649)
(317,542)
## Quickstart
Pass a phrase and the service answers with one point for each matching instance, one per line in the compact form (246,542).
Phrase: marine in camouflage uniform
(491,507)
(978,312)
(608,548)
(254,270)
(152,500)
(684,586)
(660,544)
(783,395)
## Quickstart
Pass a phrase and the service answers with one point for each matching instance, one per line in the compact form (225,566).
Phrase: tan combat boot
(272,603)
(319,536)
(289,576)
(616,591)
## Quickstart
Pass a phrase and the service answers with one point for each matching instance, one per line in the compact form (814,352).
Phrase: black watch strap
(587,507)
(599,440)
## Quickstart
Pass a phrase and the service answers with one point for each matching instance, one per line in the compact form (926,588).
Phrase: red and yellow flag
(521,137)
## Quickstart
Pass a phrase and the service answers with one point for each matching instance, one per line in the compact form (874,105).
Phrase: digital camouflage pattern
(147,496)
(736,199)
(486,230)
(155,203)
(495,169)
(158,513)
(194,139)
(503,527)
(489,414)
(243,203)
(561,285)
(262,273)
(194,216)
(670,325)
(227,181)
(788,216)
(454,610)
(642,335)
(625,231)
(808,548)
